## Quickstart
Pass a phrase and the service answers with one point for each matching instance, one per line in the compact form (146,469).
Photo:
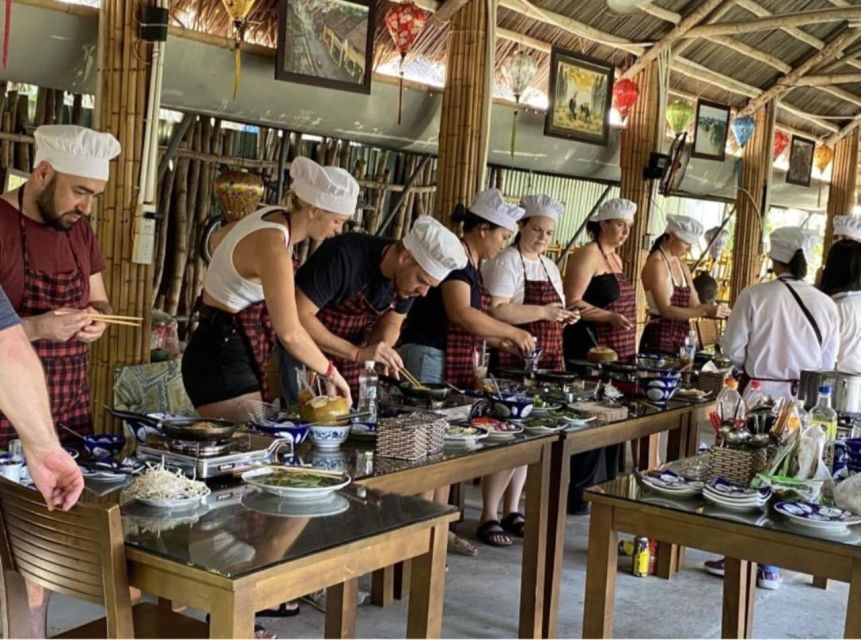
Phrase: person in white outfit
(841,279)
(783,327)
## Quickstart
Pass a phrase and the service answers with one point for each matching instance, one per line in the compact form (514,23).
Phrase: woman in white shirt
(841,279)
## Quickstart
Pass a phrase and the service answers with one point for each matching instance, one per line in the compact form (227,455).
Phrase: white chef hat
(848,227)
(684,228)
(491,206)
(76,151)
(616,209)
(329,188)
(541,205)
(784,242)
(437,250)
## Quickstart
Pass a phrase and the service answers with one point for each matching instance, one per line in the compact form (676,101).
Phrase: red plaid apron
(665,336)
(548,335)
(461,348)
(65,363)
(351,320)
(624,343)
(254,323)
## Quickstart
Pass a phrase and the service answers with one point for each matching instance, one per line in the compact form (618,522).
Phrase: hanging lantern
(518,72)
(239,193)
(404,22)
(625,94)
(742,128)
(781,142)
(822,157)
(679,114)
(238,11)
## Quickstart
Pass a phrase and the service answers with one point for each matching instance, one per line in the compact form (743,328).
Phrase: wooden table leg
(679,443)
(427,587)
(668,558)
(820,582)
(676,442)
(739,589)
(600,574)
(852,629)
(402,580)
(341,609)
(560,474)
(649,452)
(232,616)
(383,587)
(535,546)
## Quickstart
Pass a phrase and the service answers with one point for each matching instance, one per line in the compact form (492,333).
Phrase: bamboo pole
(78,109)
(844,179)
(22,121)
(782,21)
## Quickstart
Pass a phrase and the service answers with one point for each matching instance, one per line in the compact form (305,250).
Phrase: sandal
(458,545)
(514,523)
(261,633)
(284,610)
(492,533)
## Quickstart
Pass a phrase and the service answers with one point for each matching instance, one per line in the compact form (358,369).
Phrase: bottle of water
(368,386)
(730,406)
(753,396)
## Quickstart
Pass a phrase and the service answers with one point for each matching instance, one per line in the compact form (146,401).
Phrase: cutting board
(602,411)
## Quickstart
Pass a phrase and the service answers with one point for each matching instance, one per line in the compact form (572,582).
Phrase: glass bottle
(368,386)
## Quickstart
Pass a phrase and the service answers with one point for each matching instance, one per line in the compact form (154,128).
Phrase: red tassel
(6,30)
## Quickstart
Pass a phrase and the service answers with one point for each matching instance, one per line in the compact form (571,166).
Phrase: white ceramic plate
(812,515)
(274,506)
(733,506)
(253,476)
(452,436)
(541,412)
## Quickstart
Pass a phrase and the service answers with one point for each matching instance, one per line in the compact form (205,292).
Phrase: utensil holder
(711,381)
(739,466)
(410,437)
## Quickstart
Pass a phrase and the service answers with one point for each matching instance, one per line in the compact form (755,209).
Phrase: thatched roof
(719,68)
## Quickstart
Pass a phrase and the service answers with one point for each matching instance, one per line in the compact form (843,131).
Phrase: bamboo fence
(844,179)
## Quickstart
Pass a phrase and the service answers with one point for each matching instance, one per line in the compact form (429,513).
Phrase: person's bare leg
(514,491)
(233,409)
(37,598)
(492,489)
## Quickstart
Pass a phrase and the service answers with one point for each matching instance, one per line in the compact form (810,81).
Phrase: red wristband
(331,370)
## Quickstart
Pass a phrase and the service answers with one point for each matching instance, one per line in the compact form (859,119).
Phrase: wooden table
(621,506)
(455,466)
(294,556)
(677,419)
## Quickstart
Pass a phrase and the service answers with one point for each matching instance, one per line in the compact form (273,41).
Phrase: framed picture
(800,161)
(328,43)
(712,126)
(580,97)
(14,179)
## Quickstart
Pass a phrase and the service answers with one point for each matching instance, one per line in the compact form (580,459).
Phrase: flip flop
(492,533)
(514,523)
(281,612)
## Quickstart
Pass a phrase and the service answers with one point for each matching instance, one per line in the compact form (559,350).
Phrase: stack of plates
(812,517)
(733,497)
(669,483)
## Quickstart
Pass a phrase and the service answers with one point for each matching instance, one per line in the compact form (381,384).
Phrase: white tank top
(222,281)
(671,283)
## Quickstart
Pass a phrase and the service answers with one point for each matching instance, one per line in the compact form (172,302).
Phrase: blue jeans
(425,363)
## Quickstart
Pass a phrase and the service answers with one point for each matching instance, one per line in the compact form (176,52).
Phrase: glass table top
(628,488)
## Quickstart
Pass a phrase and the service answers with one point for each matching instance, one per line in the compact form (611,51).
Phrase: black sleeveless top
(602,291)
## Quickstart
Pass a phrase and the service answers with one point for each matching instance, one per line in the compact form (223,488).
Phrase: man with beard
(50,263)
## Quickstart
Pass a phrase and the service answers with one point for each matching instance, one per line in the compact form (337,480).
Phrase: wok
(192,429)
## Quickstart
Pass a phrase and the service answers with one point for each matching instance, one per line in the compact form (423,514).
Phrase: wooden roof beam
(661,13)
(849,128)
(817,16)
(752,53)
(829,79)
(840,93)
(523,40)
(787,82)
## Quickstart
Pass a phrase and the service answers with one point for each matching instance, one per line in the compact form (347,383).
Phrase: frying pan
(192,429)
(434,391)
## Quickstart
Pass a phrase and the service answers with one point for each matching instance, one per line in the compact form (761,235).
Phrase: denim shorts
(425,363)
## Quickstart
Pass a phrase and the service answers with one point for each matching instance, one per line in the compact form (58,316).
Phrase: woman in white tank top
(249,299)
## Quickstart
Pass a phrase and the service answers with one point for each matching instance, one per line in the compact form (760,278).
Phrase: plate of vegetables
(497,429)
(544,425)
(296,483)
(542,407)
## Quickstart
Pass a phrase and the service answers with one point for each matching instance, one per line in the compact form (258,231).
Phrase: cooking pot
(845,390)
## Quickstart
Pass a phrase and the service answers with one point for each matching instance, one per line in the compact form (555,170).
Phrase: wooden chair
(79,553)
(708,332)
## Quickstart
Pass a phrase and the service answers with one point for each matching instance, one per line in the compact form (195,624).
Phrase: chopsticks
(412,379)
(124,321)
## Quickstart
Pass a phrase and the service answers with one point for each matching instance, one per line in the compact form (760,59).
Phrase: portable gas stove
(213,459)
(455,407)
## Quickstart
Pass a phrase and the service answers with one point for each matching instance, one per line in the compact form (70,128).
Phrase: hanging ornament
(625,94)
(518,72)
(239,193)
(742,128)
(679,114)
(404,22)
(238,11)
(781,142)
(822,157)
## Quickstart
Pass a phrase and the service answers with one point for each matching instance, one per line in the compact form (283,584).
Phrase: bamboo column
(124,61)
(464,108)
(844,176)
(752,201)
(639,139)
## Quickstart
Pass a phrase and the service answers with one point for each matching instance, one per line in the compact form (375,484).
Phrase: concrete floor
(482,601)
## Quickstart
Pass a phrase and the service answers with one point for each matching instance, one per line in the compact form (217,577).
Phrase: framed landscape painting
(328,43)
(800,161)
(580,97)
(712,126)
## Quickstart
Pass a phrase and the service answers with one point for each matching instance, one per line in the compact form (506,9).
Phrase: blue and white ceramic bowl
(329,437)
(330,461)
(660,386)
(512,405)
(296,432)
(104,445)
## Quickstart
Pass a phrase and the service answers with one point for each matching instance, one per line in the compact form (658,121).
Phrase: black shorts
(218,363)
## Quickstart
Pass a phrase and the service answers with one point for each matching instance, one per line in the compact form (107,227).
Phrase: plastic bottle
(688,351)
(730,406)
(823,415)
(368,387)
(753,396)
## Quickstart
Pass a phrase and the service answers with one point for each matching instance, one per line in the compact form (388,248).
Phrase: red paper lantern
(404,22)
(781,141)
(625,94)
